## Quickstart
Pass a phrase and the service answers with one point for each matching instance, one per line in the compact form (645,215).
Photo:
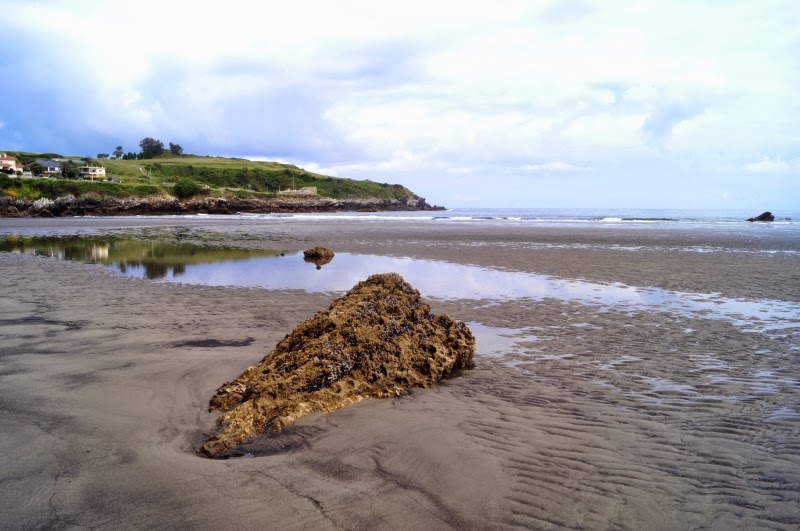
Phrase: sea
(558,217)
(702,222)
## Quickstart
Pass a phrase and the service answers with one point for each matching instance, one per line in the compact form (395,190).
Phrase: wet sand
(576,415)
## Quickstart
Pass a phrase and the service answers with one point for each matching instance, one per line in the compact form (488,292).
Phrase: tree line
(150,149)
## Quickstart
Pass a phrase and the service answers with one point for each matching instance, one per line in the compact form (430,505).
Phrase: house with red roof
(9,164)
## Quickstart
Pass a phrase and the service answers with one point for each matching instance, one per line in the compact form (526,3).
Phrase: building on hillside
(308,190)
(93,172)
(9,164)
(51,167)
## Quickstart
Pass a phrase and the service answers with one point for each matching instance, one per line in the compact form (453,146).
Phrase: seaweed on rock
(374,342)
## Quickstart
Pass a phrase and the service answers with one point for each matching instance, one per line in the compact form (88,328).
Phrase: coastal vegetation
(53,188)
(199,175)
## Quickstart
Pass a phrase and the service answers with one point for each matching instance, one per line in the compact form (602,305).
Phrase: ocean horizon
(565,215)
(723,219)
(710,221)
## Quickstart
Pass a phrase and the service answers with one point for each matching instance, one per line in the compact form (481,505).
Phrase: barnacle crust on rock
(374,342)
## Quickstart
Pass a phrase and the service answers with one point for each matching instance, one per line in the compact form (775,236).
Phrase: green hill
(218,177)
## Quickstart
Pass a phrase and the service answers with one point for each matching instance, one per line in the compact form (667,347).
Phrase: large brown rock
(376,341)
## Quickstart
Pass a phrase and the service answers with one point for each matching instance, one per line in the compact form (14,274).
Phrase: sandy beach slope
(576,416)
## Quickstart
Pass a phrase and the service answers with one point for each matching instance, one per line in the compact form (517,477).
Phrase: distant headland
(170,182)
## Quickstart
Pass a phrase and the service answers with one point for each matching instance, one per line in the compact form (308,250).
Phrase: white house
(93,172)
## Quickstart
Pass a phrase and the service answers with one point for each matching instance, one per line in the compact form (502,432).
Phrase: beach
(673,405)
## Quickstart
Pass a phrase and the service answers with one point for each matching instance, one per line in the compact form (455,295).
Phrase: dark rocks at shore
(166,205)
(9,211)
(766,216)
(318,256)
(376,341)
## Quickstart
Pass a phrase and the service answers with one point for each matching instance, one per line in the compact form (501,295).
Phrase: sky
(557,103)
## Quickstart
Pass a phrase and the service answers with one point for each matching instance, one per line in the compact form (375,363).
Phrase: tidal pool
(274,270)
(149,259)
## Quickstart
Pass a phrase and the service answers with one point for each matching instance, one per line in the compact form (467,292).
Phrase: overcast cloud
(551,103)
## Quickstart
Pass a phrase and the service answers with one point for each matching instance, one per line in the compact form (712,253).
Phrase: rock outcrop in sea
(766,216)
(376,341)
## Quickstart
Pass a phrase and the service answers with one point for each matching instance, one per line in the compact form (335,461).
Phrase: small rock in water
(318,256)
(318,252)
(375,341)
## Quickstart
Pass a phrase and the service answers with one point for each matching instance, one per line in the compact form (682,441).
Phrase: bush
(186,188)
(90,196)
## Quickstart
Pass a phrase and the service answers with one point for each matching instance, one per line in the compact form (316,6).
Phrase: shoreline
(575,415)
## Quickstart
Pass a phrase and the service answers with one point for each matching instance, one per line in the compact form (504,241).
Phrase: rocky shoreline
(167,205)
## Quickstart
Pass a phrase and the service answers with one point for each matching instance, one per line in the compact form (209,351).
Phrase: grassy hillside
(52,188)
(221,175)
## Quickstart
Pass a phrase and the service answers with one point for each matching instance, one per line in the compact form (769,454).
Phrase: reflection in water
(217,266)
(445,280)
(318,261)
(153,260)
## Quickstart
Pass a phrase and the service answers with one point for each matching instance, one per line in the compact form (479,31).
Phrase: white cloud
(768,165)
(425,91)
(460,170)
(553,166)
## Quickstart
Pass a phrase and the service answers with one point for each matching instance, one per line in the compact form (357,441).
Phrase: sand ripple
(607,420)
